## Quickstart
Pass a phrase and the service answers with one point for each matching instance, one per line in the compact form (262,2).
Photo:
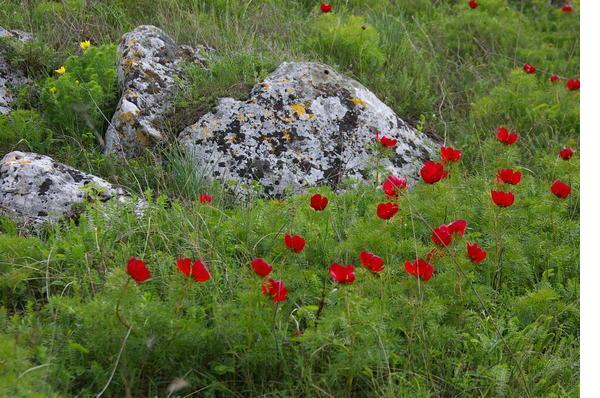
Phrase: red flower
(393,185)
(506,137)
(457,227)
(205,198)
(441,236)
(567,8)
(276,289)
(450,154)
(503,199)
(341,273)
(261,267)
(554,78)
(371,261)
(528,68)
(185,266)
(387,210)
(560,189)
(318,202)
(198,270)
(573,84)
(566,153)
(138,270)
(475,253)
(386,141)
(420,268)
(325,7)
(509,176)
(432,172)
(473,4)
(294,242)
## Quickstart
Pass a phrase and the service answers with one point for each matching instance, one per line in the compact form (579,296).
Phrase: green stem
(120,316)
(352,337)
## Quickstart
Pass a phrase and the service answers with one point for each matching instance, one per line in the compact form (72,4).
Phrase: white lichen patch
(35,189)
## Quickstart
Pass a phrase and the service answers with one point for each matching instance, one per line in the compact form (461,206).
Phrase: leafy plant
(81,99)
(24,130)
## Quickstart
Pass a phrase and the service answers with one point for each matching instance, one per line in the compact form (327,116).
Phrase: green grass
(506,327)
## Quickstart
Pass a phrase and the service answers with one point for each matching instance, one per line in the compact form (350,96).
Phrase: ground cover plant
(466,284)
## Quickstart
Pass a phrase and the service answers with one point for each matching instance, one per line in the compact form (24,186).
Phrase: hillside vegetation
(78,317)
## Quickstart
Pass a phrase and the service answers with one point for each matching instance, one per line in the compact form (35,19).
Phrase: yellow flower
(60,71)
(85,45)
(53,90)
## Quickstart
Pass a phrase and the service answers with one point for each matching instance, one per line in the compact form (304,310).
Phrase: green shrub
(349,42)
(24,130)
(81,101)
(18,376)
(543,113)
(33,57)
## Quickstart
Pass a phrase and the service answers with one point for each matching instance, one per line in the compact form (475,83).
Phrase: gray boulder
(305,125)
(35,189)
(148,69)
(10,78)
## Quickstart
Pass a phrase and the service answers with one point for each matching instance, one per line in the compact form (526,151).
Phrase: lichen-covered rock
(10,78)
(148,69)
(305,125)
(35,189)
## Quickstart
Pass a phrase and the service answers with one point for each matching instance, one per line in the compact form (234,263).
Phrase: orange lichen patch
(298,109)
(241,117)
(131,94)
(142,138)
(138,52)
(287,136)
(127,117)
(265,86)
(150,74)
(232,139)
(359,102)
(21,162)
(206,133)
(311,116)
(129,64)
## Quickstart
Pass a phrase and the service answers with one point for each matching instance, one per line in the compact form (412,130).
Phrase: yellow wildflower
(60,71)
(53,90)
(85,45)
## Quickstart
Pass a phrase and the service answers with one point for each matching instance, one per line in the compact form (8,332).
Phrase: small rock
(305,125)
(10,78)
(148,69)
(35,189)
